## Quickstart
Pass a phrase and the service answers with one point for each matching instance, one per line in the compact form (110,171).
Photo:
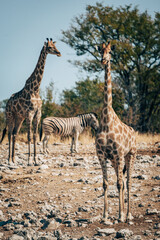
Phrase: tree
(135,62)
(87,97)
(49,107)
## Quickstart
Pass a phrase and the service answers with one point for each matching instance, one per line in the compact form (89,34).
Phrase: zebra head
(94,123)
(89,119)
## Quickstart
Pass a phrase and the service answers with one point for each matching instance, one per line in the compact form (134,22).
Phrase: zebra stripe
(68,127)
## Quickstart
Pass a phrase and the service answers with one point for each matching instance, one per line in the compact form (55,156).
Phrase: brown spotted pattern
(26,104)
(115,141)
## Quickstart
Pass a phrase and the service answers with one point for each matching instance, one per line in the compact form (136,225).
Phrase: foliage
(135,62)
(49,107)
(87,96)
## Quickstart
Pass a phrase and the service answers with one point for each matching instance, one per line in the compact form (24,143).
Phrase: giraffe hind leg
(105,187)
(129,165)
(10,125)
(18,124)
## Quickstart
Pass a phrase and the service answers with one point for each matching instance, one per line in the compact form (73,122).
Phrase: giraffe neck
(108,86)
(107,105)
(33,82)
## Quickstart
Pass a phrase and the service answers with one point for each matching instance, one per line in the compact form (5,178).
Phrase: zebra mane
(85,114)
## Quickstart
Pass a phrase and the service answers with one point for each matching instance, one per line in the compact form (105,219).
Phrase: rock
(107,222)
(1,235)
(43,167)
(151,211)
(136,237)
(1,213)
(148,221)
(141,177)
(124,233)
(106,231)
(16,237)
(156,177)
(70,223)
(147,233)
(157,226)
(83,209)
(157,233)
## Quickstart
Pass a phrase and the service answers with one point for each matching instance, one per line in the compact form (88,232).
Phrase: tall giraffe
(115,141)
(26,104)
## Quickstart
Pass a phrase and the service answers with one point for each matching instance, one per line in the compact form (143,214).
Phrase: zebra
(65,127)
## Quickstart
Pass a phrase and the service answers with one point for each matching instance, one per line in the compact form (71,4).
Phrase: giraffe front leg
(29,121)
(14,137)
(35,125)
(10,131)
(9,140)
(105,188)
(120,186)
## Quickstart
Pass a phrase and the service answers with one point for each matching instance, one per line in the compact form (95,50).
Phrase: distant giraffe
(26,104)
(115,141)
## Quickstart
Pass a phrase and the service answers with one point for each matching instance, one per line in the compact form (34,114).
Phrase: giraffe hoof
(121,220)
(36,164)
(129,217)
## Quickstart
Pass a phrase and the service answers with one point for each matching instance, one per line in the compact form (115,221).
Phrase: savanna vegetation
(135,67)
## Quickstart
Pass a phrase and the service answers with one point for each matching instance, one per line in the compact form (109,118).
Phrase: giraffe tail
(3,134)
(41,132)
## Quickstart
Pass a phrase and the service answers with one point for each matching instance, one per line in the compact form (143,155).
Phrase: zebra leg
(72,143)
(47,150)
(45,144)
(76,141)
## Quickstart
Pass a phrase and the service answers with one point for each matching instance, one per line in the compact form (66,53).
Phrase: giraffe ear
(113,47)
(54,42)
(97,48)
(103,45)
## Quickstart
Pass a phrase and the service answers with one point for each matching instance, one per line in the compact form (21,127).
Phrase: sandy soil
(62,198)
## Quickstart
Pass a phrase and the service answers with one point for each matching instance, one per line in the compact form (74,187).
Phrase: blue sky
(24,26)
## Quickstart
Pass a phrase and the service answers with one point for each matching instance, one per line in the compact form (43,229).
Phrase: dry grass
(148,138)
(86,138)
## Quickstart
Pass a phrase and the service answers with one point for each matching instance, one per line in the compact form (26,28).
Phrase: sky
(24,27)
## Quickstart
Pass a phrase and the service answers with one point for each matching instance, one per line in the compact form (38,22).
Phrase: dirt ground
(62,198)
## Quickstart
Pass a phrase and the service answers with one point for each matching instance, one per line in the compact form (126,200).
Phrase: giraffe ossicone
(26,104)
(115,141)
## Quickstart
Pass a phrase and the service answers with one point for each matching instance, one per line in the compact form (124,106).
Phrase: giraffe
(115,141)
(26,104)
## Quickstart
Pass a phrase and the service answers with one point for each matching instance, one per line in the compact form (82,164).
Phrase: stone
(16,237)
(124,233)
(147,233)
(157,226)
(1,235)
(43,167)
(106,231)
(157,233)
(151,211)
(156,177)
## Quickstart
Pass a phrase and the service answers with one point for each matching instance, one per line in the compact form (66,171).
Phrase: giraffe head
(105,52)
(51,48)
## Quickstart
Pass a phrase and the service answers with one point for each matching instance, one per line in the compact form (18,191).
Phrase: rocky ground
(62,198)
